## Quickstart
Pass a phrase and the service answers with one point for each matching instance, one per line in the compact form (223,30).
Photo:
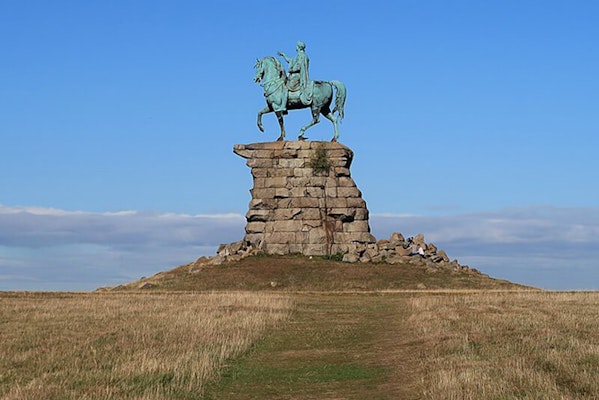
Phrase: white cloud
(534,224)
(543,246)
(51,249)
(37,227)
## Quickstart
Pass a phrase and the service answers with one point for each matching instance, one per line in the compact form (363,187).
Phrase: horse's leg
(331,117)
(315,120)
(265,110)
(281,124)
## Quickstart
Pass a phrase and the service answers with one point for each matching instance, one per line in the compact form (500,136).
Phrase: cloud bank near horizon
(52,249)
(542,246)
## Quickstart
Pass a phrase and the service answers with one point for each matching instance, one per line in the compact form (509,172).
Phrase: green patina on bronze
(294,90)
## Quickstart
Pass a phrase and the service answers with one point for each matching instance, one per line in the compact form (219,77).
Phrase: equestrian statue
(294,90)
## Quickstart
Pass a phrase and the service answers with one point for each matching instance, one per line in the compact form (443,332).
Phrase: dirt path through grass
(454,345)
(336,346)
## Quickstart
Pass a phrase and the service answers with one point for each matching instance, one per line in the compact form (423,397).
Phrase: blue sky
(475,123)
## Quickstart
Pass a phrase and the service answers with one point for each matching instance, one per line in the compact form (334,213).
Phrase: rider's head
(300,45)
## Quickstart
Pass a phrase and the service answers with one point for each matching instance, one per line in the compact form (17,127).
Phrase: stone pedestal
(304,199)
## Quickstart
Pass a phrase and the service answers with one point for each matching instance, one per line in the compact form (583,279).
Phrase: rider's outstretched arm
(285,57)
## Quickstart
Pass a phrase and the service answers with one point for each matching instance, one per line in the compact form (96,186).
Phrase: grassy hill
(301,273)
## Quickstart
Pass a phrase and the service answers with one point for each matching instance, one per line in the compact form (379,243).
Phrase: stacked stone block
(300,206)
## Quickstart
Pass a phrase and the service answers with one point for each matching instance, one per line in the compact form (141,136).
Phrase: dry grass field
(471,337)
(508,346)
(125,346)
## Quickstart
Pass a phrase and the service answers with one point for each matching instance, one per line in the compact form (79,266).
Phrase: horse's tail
(340,98)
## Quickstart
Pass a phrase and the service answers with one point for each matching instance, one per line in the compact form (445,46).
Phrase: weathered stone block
(260,162)
(259,182)
(356,226)
(318,181)
(282,193)
(443,255)
(340,162)
(351,257)
(274,182)
(294,145)
(318,236)
(338,154)
(361,214)
(291,163)
(302,172)
(298,192)
(263,204)
(243,151)
(315,249)
(339,248)
(261,193)
(280,237)
(255,227)
(287,226)
(331,191)
(348,192)
(260,172)
(341,171)
(345,181)
(255,238)
(257,215)
(276,248)
(403,251)
(331,181)
(302,181)
(362,237)
(281,172)
(356,202)
(338,202)
(384,244)
(343,214)
(312,214)
(314,191)
(305,202)
(341,237)
(286,213)
(397,237)
(308,224)
(305,154)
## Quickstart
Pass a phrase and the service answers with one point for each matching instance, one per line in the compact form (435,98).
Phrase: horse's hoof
(334,140)
(302,138)
(280,139)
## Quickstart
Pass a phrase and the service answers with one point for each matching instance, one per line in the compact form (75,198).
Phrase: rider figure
(297,77)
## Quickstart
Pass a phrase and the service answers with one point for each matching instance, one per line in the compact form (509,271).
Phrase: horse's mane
(276,63)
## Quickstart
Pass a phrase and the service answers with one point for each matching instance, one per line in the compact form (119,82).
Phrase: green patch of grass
(326,347)
(140,383)
(302,374)
(333,257)
(590,361)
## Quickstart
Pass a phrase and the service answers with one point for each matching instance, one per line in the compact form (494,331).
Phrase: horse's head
(268,68)
(259,67)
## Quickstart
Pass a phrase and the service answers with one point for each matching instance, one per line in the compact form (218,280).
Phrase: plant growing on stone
(320,162)
(334,257)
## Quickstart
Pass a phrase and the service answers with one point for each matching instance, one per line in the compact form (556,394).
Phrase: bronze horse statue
(272,77)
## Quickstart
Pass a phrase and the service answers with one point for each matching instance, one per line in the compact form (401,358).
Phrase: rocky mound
(395,250)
